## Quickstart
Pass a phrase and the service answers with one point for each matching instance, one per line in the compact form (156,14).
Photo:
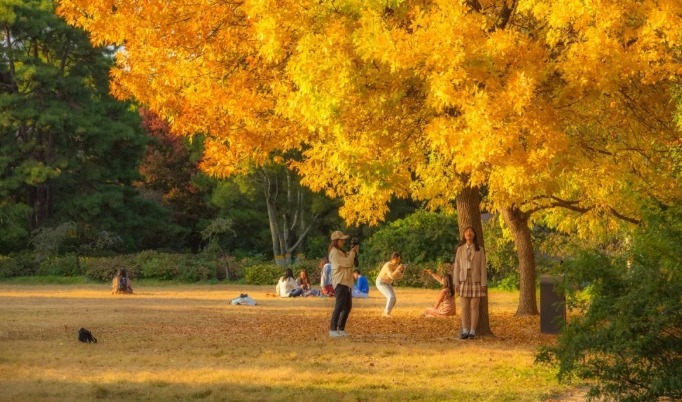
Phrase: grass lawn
(185,342)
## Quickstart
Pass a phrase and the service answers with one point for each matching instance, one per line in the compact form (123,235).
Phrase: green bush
(420,237)
(105,268)
(193,269)
(263,274)
(155,265)
(58,266)
(510,283)
(500,255)
(627,339)
(21,264)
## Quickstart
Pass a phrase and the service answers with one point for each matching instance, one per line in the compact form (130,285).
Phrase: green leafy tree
(68,151)
(629,337)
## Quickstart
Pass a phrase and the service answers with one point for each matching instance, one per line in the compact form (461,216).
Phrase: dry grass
(187,343)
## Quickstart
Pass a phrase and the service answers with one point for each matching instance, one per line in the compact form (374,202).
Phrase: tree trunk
(469,215)
(272,219)
(517,221)
(37,199)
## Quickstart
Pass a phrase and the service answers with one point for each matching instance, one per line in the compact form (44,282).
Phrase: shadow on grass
(53,390)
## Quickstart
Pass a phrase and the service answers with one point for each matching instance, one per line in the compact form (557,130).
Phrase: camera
(354,241)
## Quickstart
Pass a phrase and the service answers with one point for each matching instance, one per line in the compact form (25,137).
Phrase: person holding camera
(470,278)
(391,271)
(342,279)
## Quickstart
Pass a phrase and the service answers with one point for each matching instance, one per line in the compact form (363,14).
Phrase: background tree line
(511,123)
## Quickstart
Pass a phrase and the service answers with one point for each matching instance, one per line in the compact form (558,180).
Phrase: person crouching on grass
(342,279)
(391,271)
(445,305)
(470,280)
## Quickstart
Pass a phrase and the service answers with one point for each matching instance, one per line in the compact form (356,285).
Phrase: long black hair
(447,284)
(288,274)
(464,240)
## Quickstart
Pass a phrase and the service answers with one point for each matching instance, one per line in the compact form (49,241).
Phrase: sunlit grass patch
(186,342)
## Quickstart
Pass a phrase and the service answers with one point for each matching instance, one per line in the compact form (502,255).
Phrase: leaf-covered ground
(186,342)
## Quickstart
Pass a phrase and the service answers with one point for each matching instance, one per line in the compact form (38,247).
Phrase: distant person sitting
(326,277)
(361,288)
(121,283)
(303,282)
(445,305)
(287,287)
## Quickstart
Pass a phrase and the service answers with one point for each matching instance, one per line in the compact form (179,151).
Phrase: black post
(552,305)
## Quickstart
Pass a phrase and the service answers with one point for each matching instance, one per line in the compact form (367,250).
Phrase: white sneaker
(334,334)
(342,333)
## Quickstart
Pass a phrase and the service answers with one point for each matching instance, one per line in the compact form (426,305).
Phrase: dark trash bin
(552,305)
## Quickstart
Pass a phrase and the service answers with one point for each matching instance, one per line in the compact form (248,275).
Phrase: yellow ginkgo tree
(545,104)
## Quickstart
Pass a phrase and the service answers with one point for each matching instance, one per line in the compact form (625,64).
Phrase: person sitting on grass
(303,282)
(121,283)
(286,286)
(445,305)
(326,277)
(361,288)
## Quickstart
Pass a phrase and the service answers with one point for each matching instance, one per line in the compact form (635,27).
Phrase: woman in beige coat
(470,280)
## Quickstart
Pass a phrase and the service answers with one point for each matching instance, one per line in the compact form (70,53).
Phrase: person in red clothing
(326,277)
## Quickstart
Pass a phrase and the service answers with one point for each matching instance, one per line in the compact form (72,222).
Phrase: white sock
(472,332)
(465,331)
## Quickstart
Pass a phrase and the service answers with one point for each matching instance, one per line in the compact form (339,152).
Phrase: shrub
(105,268)
(500,255)
(22,264)
(263,274)
(421,236)
(192,268)
(628,339)
(58,266)
(155,265)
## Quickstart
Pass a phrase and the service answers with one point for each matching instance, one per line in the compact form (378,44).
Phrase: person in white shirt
(286,286)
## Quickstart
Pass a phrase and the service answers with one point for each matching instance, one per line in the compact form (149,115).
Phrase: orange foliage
(537,100)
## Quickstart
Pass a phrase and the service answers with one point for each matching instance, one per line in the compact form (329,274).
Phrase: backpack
(123,284)
(85,336)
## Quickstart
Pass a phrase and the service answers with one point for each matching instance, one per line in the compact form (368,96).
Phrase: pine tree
(68,150)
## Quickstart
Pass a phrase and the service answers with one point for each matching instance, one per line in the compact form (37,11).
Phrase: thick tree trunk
(517,221)
(469,215)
